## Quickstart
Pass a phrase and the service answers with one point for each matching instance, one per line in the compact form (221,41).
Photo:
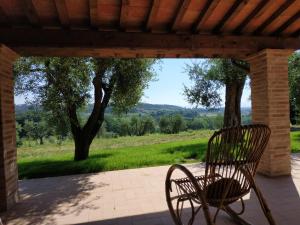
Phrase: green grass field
(295,141)
(118,153)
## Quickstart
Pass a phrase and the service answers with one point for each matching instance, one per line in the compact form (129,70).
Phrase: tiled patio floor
(136,197)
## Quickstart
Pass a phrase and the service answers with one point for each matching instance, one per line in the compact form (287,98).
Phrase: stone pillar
(8,151)
(270,105)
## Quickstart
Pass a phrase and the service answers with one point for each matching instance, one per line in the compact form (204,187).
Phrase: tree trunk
(84,138)
(82,147)
(232,113)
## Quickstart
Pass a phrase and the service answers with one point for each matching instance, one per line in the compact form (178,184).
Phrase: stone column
(8,151)
(270,105)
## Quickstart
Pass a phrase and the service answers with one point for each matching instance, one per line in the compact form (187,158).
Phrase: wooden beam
(4,16)
(259,8)
(123,14)
(233,11)
(180,12)
(93,4)
(277,13)
(31,13)
(63,14)
(286,24)
(296,33)
(205,13)
(152,14)
(42,42)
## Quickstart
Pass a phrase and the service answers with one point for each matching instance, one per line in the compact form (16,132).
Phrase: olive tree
(62,85)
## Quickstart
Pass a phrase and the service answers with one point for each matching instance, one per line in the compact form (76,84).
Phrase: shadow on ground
(44,197)
(48,200)
(52,168)
(193,151)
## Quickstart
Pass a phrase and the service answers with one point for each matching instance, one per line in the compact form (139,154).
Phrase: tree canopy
(294,84)
(209,77)
(63,86)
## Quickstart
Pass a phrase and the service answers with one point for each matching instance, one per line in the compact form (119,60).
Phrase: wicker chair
(231,162)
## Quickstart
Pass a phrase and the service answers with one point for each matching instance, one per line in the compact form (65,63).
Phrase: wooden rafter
(205,13)
(277,13)
(87,42)
(123,14)
(63,14)
(180,14)
(233,11)
(31,13)
(4,16)
(286,24)
(296,33)
(259,8)
(93,4)
(152,14)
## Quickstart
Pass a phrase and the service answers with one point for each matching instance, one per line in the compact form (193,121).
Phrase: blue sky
(168,87)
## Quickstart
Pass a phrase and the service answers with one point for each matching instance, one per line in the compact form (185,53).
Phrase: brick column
(8,151)
(270,105)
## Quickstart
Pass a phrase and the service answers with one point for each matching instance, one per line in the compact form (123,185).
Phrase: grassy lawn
(113,154)
(295,141)
(118,153)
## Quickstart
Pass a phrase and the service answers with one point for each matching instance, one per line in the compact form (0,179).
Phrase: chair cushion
(216,189)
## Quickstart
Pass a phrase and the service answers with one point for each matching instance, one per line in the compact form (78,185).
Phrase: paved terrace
(136,197)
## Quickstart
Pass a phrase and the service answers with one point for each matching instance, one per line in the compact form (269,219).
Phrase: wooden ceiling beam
(277,13)
(31,13)
(231,13)
(94,21)
(42,42)
(286,24)
(4,16)
(296,33)
(123,14)
(62,12)
(259,8)
(152,15)
(205,13)
(180,12)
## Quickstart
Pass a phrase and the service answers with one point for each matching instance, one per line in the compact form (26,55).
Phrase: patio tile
(137,197)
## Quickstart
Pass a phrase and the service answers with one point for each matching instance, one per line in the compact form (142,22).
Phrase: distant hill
(155,110)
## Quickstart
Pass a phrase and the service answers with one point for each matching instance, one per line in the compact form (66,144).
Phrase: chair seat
(216,190)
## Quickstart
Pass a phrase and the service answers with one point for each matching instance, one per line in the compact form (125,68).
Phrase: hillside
(155,110)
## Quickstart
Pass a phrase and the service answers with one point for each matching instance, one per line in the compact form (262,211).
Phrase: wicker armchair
(231,162)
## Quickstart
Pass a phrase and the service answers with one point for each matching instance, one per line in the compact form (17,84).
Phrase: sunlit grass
(119,153)
(295,141)
(113,154)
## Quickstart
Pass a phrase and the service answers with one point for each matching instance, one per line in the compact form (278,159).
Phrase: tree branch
(244,67)
(75,125)
(94,121)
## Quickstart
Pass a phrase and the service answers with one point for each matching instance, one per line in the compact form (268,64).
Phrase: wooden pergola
(263,32)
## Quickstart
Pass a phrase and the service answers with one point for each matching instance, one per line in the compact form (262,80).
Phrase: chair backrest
(230,149)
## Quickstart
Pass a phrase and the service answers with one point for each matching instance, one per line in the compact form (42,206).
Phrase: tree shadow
(281,195)
(54,168)
(42,197)
(190,152)
(49,200)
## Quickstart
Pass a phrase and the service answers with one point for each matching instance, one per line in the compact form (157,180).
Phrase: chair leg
(264,205)
(207,214)
(188,196)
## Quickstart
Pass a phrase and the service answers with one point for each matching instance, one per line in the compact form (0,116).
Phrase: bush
(172,124)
